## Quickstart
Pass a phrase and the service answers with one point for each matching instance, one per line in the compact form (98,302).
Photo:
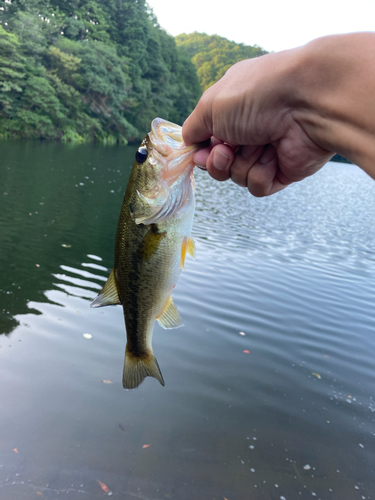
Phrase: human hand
(259,124)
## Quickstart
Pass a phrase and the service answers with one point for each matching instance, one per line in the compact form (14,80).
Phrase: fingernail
(267,155)
(202,167)
(220,160)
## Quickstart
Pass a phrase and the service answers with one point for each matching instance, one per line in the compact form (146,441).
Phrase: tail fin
(136,369)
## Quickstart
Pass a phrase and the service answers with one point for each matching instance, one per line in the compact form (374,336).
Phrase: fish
(152,240)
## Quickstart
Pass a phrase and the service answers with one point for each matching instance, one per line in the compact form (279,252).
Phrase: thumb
(198,126)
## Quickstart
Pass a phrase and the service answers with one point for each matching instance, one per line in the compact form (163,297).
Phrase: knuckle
(257,186)
(238,177)
(239,171)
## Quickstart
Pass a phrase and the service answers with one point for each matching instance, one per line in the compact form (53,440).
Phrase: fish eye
(141,155)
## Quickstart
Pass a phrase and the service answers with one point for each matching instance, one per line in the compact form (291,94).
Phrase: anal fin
(109,294)
(170,317)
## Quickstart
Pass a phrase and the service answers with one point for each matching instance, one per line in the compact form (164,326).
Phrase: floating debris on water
(316,375)
(87,335)
(307,467)
(242,333)
(105,488)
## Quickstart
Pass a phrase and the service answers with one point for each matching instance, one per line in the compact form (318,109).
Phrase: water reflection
(52,202)
(269,386)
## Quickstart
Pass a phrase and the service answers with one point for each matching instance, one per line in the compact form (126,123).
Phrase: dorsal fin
(109,294)
(170,317)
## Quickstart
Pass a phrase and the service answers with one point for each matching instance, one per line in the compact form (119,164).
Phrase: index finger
(198,126)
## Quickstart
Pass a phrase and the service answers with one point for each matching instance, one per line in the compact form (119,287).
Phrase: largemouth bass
(152,240)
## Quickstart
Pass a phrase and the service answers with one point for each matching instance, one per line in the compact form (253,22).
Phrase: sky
(271,24)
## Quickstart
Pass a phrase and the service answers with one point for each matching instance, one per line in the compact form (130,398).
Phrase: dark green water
(294,418)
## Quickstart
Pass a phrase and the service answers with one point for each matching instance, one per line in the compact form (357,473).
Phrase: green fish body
(153,237)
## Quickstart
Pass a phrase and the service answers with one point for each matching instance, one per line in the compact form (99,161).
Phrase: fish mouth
(166,134)
(170,149)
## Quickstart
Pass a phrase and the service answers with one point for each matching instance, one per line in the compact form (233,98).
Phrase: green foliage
(168,83)
(99,75)
(88,70)
(30,31)
(12,76)
(214,55)
(12,67)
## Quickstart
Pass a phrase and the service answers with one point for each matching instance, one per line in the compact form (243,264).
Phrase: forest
(213,55)
(90,70)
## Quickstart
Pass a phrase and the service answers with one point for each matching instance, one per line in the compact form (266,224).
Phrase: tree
(213,55)
(12,75)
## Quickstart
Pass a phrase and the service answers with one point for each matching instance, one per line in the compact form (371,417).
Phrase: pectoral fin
(109,294)
(183,253)
(191,247)
(188,246)
(170,317)
(151,242)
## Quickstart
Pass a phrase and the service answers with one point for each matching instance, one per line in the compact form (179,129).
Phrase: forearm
(335,77)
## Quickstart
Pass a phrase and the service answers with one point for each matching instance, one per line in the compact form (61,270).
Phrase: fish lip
(165,136)
(170,149)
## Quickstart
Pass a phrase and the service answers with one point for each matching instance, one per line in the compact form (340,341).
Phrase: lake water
(270,385)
